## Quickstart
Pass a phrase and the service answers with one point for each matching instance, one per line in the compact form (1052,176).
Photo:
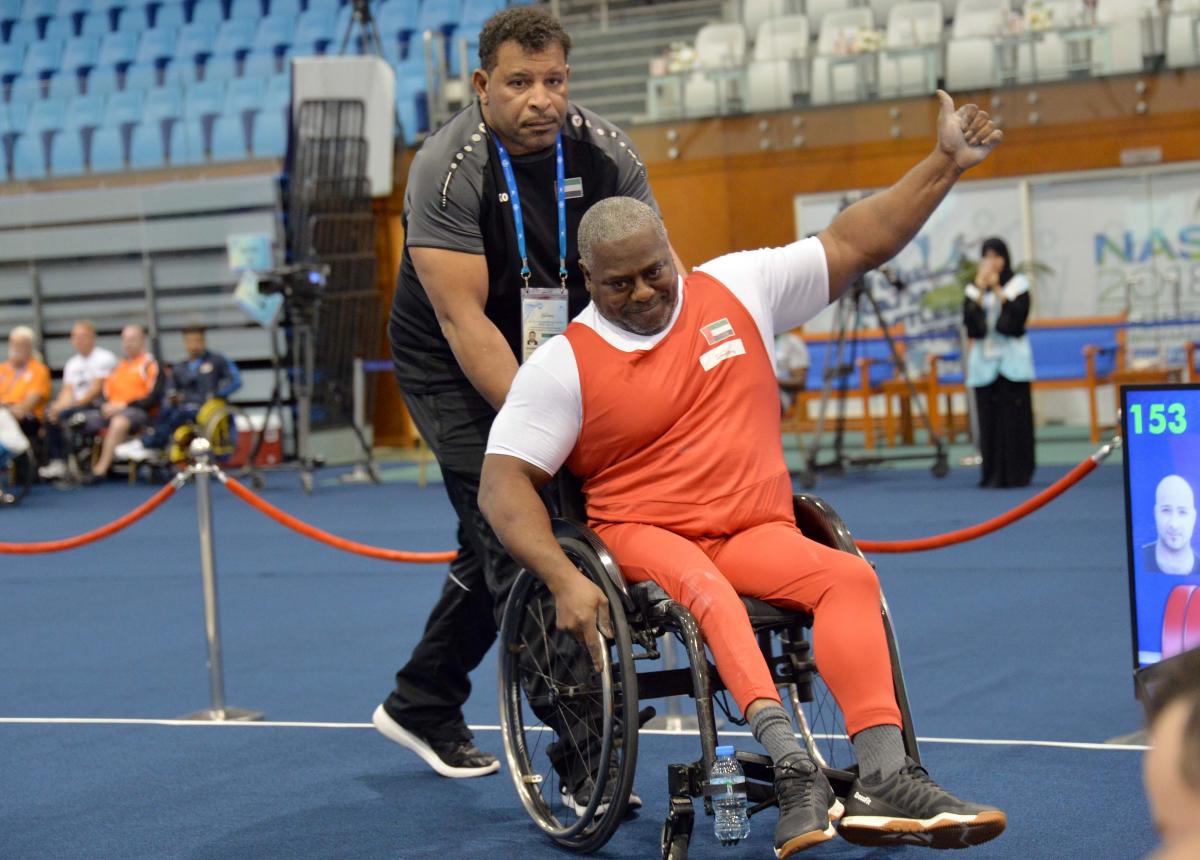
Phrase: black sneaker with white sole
(457,759)
(807,805)
(909,808)
(577,800)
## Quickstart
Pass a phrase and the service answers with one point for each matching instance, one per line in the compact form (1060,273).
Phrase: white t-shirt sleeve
(542,415)
(781,287)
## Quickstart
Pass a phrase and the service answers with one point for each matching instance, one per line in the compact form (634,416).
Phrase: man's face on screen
(633,282)
(1174,512)
(524,98)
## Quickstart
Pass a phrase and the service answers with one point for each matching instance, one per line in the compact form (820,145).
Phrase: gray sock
(880,753)
(772,728)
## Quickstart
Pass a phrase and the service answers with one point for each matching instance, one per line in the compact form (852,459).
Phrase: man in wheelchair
(661,398)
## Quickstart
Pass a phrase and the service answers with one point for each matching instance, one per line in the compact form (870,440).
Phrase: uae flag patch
(717,331)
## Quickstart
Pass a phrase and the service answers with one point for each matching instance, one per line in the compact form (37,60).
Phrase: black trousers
(1006,443)
(434,684)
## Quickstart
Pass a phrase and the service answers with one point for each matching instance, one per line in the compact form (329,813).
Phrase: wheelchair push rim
(539,785)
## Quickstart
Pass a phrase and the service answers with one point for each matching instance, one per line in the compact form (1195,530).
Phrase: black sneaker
(807,805)
(457,759)
(578,799)
(910,808)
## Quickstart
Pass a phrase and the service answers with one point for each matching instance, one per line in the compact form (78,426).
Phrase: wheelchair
(549,688)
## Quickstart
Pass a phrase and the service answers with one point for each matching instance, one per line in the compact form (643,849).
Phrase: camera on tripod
(302,283)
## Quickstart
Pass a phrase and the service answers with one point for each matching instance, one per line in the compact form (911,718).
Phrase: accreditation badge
(543,315)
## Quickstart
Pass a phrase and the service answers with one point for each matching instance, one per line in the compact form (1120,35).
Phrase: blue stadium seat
(101,80)
(279,91)
(80,53)
(259,64)
(65,84)
(187,142)
(170,15)
(10,10)
(195,41)
(29,157)
(249,9)
(274,33)
(95,24)
(203,99)
(107,150)
(245,95)
(221,68)
(25,89)
(163,103)
(134,19)
(157,45)
(36,9)
(228,139)
(285,7)
(208,12)
(397,21)
(146,151)
(235,37)
(270,134)
(42,58)
(46,115)
(85,111)
(439,15)
(58,30)
(72,8)
(66,154)
(476,12)
(17,111)
(141,76)
(314,30)
(123,108)
(118,49)
(22,33)
(12,57)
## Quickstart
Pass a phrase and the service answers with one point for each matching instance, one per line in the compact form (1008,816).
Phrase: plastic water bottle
(727,787)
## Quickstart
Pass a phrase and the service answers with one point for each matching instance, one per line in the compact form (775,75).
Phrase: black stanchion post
(202,471)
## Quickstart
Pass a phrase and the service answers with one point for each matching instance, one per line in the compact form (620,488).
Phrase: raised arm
(875,229)
(457,286)
(508,497)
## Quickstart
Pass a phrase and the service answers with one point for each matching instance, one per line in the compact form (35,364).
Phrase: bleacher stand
(911,62)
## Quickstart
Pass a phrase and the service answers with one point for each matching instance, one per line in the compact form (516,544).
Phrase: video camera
(302,283)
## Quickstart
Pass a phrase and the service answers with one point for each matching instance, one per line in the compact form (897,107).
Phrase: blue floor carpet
(1020,635)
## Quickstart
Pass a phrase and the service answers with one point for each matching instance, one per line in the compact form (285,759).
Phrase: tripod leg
(941,462)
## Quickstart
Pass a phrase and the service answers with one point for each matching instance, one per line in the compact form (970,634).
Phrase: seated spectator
(191,383)
(83,381)
(791,366)
(131,391)
(24,382)
(1172,765)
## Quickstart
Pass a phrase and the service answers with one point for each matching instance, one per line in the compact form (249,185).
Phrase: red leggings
(775,563)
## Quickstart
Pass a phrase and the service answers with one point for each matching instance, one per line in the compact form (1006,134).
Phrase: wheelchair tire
(527,628)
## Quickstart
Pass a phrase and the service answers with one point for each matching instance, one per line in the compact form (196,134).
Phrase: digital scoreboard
(1161,433)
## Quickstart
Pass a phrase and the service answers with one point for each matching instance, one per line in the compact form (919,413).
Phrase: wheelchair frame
(641,614)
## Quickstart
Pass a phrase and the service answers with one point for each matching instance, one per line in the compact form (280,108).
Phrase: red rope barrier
(115,526)
(1047,495)
(325,537)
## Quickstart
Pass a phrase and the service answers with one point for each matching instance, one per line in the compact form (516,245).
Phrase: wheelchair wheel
(561,720)
(821,726)
(16,478)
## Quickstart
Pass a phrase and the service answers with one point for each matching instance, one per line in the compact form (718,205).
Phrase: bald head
(614,220)
(1174,513)
(133,340)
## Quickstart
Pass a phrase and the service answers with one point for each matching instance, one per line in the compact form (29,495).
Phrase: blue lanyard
(518,218)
